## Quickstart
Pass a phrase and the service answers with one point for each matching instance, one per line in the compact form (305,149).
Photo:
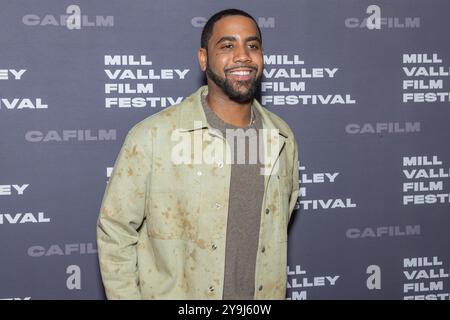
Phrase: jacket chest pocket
(285,178)
(173,204)
(172,215)
(285,190)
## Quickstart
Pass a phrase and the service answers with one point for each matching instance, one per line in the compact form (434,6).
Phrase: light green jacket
(162,228)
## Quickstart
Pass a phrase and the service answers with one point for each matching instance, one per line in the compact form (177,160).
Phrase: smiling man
(201,194)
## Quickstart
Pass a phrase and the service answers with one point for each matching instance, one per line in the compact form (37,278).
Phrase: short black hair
(208,28)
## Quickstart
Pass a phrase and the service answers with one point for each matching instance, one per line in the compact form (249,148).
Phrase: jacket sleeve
(295,180)
(121,214)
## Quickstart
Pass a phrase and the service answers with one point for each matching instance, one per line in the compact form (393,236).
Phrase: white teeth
(241,73)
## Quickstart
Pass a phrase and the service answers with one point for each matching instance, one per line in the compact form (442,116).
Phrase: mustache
(227,69)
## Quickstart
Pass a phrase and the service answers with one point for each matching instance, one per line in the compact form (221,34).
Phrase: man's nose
(241,54)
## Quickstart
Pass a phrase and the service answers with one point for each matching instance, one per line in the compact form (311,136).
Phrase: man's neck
(230,111)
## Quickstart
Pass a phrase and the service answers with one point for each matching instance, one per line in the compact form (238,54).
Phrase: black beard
(229,90)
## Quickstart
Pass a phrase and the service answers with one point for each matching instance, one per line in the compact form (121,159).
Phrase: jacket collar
(193,117)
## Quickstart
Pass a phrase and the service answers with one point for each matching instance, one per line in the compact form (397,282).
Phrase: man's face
(234,59)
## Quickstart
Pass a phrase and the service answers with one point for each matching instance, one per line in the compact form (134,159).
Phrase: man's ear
(202,56)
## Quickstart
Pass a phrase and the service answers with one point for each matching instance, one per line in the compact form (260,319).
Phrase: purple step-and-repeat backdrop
(365,86)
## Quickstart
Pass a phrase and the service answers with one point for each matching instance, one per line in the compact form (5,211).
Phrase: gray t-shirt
(245,202)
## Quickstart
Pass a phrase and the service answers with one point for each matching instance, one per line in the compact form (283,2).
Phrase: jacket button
(218,205)
(211,289)
(260,288)
(199,173)
(213,246)
(263,249)
(267,210)
(220,164)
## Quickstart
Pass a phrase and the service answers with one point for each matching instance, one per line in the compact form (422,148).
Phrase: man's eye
(227,46)
(253,46)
